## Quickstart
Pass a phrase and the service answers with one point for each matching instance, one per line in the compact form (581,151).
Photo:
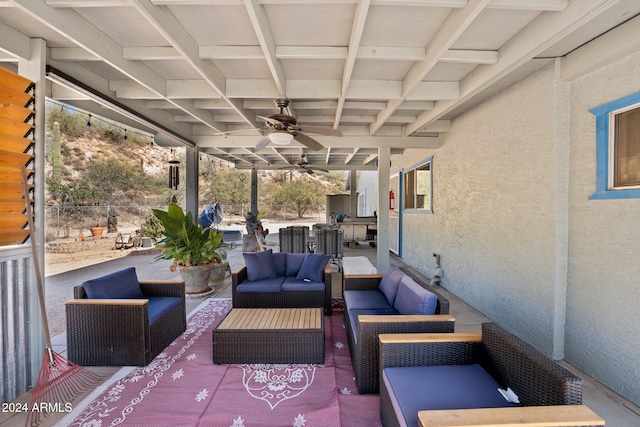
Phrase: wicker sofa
(415,368)
(255,285)
(369,312)
(116,320)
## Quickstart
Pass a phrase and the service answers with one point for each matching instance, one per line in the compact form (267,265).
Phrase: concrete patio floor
(617,411)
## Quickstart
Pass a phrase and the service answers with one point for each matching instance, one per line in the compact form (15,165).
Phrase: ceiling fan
(284,128)
(302,166)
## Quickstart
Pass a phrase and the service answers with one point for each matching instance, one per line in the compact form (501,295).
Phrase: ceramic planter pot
(196,278)
(218,273)
(97,231)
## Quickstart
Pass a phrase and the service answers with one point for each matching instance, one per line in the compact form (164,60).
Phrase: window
(417,185)
(618,149)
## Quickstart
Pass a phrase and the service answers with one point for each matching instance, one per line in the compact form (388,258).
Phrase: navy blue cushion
(312,268)
(390,282)
(353,317)
(160,306)
(418,388)
(259,265)
(294,284)
(264,285)
(414,299)
(121,284)
(279,262)
(294,262)
(367,299)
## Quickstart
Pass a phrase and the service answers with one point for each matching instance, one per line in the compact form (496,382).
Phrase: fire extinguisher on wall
(392,200)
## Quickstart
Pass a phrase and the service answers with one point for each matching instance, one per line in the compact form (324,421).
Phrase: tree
(230,187)
(303,194)
(116,179)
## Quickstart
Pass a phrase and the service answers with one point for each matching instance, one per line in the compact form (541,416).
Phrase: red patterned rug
(183,387)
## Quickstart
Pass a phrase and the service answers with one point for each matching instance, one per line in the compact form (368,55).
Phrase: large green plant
(186,242)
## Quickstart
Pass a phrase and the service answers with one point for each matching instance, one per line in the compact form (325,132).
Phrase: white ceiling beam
(260,157)
(231,52)
(72,54)
(252,88)
(87,3)
(238,141)
(170,28)
(538,36)
(606,49)
(262,28)
(311,52)
(213,104)
(161,104)
(357,28)
(434,91)
(14,43)
(350,156)
(78,30)
(453,27)
(193,89)
(470,56)
(150,53)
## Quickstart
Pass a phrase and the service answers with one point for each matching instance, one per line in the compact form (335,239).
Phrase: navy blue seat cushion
(279,262)
(414,299)
(293,264)
(118,285)
(260,265)
(368,299)
(354,313)
(312,268)
(295,284)
(264,285)
(418,388)
(160,306)
(390,282)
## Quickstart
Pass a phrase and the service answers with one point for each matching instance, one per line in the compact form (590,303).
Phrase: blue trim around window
(416,166)
(602,150)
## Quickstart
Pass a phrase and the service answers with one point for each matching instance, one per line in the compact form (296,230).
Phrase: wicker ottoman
(270,335)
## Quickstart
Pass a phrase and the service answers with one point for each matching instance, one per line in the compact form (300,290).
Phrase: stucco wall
(499,223)
(494,209)
(602,334)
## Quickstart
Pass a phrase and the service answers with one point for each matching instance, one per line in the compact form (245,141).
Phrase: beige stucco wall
(517,233)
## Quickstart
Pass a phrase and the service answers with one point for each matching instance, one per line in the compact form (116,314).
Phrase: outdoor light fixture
(281,137)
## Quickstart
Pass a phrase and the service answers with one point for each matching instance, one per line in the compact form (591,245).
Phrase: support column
(254,190)
(384,160)
(192,171)
(354,190)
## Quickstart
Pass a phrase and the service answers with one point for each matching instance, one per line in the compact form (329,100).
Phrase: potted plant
(193,248)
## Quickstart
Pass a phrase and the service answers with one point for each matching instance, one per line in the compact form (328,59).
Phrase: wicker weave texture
(536,379)
(101,334)
(283,299)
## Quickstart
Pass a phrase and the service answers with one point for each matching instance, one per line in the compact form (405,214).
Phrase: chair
(293,239)
(263,245)
(461,371)
(329,241)
(116,320)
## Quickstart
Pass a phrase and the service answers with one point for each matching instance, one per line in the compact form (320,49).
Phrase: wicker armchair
(365,352)
(116,332)
(535,379)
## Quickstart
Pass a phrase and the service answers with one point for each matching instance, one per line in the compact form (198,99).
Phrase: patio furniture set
(401,339)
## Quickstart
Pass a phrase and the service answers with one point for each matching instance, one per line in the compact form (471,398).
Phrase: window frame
(605,120)
(412,171)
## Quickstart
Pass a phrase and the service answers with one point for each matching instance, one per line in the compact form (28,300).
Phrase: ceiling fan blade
(288,167)
(320,130)
(321,170)
(263,143)
(274,122)
(308,141)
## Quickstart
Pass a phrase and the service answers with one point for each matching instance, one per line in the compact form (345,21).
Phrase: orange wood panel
(12,206)
(12,174)
(14,143)
(14,112)
(14,160)
(13,221)
(14,80)
(15,128)
(14,96)
(12,190)
(13,237)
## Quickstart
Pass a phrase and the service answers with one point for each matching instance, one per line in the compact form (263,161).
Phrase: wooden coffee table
(270,335)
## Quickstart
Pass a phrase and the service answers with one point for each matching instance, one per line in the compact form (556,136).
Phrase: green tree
(117,180)
(230,187)
(303,194)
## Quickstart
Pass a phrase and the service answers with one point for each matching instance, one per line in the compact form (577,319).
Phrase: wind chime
(174,172)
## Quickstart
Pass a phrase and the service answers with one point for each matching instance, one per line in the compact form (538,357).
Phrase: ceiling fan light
(280,137)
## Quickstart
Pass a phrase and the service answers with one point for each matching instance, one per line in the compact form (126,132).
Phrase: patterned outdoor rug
(183,387)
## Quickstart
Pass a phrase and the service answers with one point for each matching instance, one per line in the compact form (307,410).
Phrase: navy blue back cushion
(121,284)
(279,261)
(312,268)
(294,262)
(259,265)
(414,299)
(390,282)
